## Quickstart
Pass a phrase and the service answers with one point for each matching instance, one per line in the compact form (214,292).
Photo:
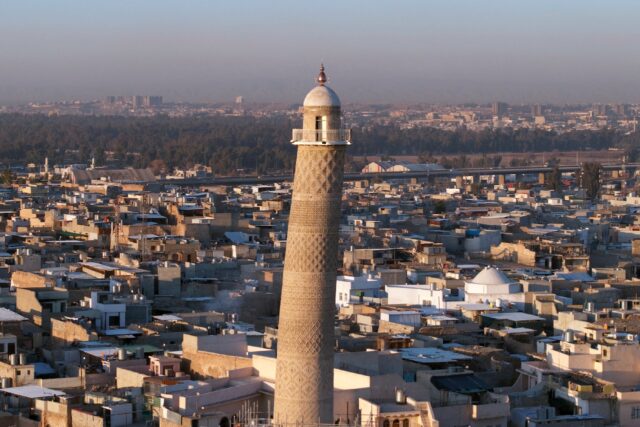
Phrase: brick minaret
(304,376)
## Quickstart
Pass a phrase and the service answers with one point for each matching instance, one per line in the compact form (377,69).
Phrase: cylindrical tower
(304,375)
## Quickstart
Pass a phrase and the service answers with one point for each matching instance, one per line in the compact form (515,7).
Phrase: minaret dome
(321,95)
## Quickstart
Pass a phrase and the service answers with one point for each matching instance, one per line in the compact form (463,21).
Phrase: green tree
(554,179)
(6,177)
(439,207)
(590,179)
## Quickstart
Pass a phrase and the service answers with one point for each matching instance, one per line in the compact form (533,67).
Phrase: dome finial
(322,77)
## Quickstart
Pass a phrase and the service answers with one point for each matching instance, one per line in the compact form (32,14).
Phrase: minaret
(304,373)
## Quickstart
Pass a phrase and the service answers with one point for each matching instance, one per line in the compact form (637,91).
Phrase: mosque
(492,286)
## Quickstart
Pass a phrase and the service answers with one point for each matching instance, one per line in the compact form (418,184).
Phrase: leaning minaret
(304,375)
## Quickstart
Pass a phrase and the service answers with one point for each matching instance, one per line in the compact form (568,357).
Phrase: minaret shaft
(304,376)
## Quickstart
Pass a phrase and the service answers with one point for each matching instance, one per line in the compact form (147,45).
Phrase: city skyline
(463,51)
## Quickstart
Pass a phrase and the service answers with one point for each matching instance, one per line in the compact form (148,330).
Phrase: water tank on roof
(122,354)
(569,336)
(13,359)
(6,382)
(401,398)
(23,359)
(472,232)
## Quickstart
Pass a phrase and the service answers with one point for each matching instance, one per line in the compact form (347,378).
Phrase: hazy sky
(375,51)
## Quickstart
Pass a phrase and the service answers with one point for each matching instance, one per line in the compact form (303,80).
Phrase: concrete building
(304,382)
(423,295)
(356,288)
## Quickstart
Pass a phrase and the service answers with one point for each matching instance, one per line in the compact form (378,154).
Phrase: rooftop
(428,355)
(32,391)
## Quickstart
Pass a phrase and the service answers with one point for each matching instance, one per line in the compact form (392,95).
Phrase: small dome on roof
(321,95)
(491,276)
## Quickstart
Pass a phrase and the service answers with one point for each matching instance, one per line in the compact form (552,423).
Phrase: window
(321,125)
(405,423)
(385,423)
(18,371)
(396,423)
(635,413)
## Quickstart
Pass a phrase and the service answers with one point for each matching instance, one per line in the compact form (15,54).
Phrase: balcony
(321,137)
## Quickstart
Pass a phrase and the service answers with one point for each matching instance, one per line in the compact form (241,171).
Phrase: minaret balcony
(321,137)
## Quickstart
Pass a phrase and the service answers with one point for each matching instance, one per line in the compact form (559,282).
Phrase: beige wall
(213,365)
(130,378)
(27,303)
(64,332)
(52,413)
(394,328)
(24,279)
(347,380)
(60,383)
(265,367)
(84,419)
(515,252)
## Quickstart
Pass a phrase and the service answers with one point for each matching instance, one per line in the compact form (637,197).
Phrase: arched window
(224,422)
(396,423)
(405,422)
(385,423)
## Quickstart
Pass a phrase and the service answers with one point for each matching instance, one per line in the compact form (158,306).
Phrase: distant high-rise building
(621,109)
(152,101)
(600,109)
(304,371)
(536,110)
(499,108)
(137,101)
(239,100)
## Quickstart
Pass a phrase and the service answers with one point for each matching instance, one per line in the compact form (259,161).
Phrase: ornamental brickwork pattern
(304,376)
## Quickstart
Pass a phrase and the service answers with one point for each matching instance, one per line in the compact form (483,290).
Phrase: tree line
(255,145)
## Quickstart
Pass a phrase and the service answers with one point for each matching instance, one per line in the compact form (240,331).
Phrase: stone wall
(514,252)
(85,419)
(66,332)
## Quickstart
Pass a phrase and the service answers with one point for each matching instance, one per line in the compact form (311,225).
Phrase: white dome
(491,276)
(321,96)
